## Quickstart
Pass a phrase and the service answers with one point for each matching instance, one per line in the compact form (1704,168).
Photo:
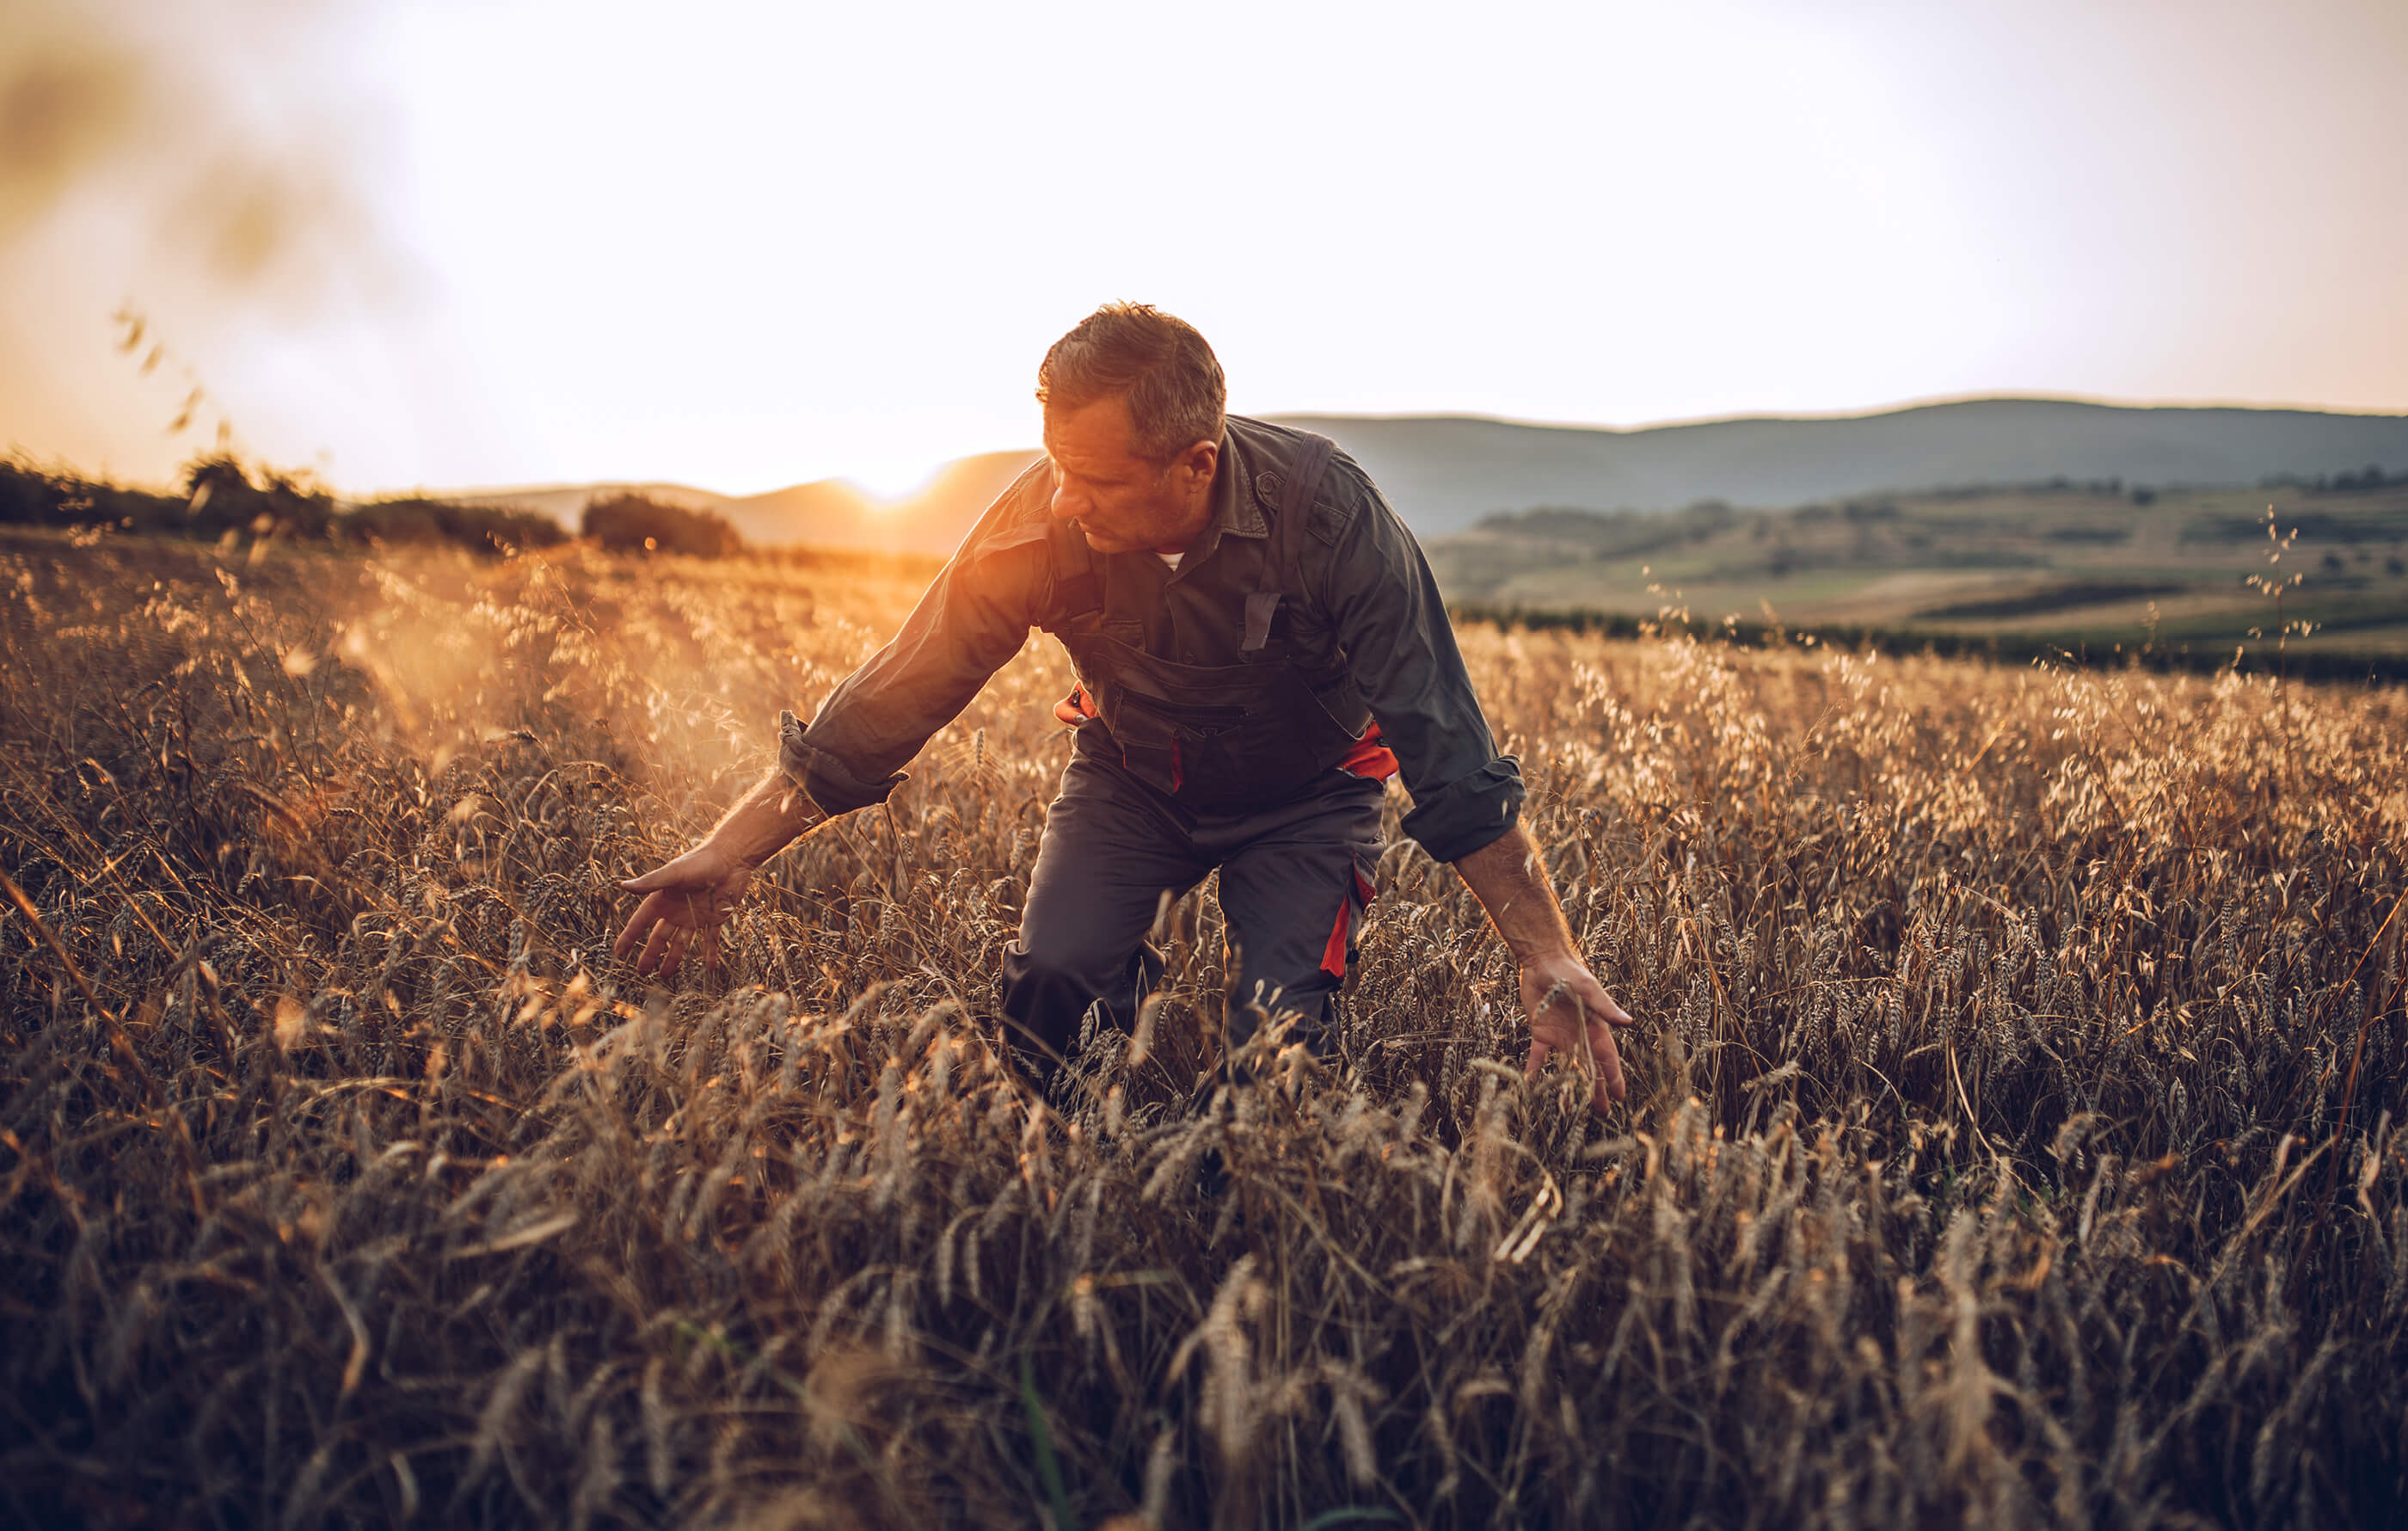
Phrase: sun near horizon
(890,480)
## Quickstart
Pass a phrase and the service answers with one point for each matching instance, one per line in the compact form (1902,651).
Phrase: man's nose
(1067,505)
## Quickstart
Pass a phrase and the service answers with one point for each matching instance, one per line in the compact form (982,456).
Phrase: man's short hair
(1170,378)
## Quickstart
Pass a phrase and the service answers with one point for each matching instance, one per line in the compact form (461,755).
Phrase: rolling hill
(826,513)
(1444,473)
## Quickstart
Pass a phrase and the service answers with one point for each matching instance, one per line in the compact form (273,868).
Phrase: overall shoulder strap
(1303,481)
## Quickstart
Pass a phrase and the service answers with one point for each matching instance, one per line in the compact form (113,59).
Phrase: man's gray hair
(1170,378)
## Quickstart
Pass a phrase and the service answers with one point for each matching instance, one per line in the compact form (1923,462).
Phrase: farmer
(1259,646)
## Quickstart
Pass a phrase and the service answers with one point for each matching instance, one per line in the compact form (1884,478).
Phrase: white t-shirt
(1170,560)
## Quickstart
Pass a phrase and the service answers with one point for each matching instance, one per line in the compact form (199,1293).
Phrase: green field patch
(2056,598)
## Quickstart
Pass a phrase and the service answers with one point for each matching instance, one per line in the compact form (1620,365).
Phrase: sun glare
(891,479)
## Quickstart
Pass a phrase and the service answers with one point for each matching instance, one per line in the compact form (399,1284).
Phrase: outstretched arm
(688,899)
(1568,1009)
(973,618)
(1392,622)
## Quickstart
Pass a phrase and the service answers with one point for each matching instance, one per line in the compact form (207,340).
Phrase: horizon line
(1931,401)
(1524,422)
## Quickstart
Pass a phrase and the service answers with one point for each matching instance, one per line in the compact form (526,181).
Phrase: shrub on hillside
(223,497)
(220,496)
(479,528)
(31,497)
(28,497)
(631,523)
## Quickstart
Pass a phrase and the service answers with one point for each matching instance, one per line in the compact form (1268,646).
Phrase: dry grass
(2012,1140)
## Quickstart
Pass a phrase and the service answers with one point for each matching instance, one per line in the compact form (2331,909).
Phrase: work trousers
(1295,876)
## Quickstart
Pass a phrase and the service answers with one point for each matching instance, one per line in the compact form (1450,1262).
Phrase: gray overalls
(1226,766)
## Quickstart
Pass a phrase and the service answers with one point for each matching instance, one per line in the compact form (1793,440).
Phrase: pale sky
(454,244)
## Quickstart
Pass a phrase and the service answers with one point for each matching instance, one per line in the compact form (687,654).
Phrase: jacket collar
(1237,496)
(1235,500)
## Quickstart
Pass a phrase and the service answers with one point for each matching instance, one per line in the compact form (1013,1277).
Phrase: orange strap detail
(1076,708)
(1333,952)
(1333,955)
(1369,759)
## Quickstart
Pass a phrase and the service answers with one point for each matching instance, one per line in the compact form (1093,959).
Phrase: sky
(451,244)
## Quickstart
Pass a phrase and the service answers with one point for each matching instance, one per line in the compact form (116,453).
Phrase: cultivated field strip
(2013,1136)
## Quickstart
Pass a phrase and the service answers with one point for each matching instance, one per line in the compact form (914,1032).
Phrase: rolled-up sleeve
(973,619)
(1391,622)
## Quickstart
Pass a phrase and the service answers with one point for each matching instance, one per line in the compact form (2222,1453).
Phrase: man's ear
(1200,460)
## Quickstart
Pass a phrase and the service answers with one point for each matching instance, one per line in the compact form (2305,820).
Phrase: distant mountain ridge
(1443,472)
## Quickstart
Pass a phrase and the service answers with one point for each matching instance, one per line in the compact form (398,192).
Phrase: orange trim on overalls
(1370,759)
(1333,953)
(1075,708)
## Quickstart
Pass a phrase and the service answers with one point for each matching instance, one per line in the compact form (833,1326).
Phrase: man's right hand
(685,902)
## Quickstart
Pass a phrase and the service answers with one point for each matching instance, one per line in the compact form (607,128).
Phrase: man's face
(1120,500)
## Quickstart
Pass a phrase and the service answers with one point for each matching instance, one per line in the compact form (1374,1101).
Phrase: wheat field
(2011,1140)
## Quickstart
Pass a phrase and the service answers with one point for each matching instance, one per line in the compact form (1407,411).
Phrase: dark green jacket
(1368,599)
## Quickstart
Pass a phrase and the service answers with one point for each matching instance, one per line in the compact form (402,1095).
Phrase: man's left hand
(1571,1012)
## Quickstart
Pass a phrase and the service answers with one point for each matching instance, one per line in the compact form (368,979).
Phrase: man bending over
(1259,646)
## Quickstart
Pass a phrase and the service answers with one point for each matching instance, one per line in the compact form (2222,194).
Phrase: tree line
(221,497)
